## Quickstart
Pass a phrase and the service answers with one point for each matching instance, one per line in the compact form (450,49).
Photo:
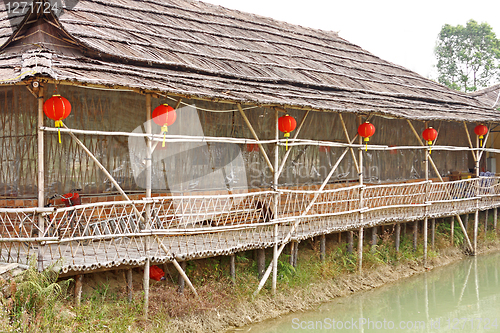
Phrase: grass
(41,303)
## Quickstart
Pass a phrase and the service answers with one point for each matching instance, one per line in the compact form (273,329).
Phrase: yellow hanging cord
(58,125)
(366,140)
(481,141)
(287,135)
(430,144)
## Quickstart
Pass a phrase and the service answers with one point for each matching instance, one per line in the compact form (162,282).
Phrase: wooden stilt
(146,288)
(360,250)
(130,285)
(415,235)
(181,283)
(495,218)
(433,233)
(476,224)
(232,267)
(350,244)
(261,262)
(397,235)
(404,229)
(295,254)
(40,174)
(78,289)
(452,230)
(292,245)
(374,239)
(425,239)
(466,221)
(322,247)
(486,213)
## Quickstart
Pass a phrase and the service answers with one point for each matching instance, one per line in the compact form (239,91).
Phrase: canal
(462,297)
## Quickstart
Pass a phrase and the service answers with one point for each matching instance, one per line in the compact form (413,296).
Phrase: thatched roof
(196,49)
(489,96)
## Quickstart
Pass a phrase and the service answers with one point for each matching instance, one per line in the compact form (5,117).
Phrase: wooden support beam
(346,133)
(397,236)
(470,142)
(256,137)
(322,247)
(466,221)
(426,221)
(469,244)
(452,230)
(130,285)
(78,289)
(232,268)
(486,213)
(276,199)
(295,254)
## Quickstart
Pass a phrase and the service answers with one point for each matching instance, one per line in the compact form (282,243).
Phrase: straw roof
(196,49)
(489,96)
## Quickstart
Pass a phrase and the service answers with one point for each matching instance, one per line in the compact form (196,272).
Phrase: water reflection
(463,297)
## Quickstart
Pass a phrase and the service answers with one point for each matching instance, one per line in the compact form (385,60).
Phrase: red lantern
(429,135)
(57,108)
(286,124)
(366,130)
(324,149)
(481,131)
(252,147)
(164,116)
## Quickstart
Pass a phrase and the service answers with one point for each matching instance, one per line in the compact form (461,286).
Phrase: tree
(468,57)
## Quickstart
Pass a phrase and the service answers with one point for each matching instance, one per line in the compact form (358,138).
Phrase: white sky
(401,31)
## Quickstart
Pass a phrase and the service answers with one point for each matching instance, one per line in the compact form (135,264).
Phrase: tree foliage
(468,57)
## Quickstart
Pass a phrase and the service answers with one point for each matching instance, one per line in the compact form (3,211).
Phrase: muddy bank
(266,307)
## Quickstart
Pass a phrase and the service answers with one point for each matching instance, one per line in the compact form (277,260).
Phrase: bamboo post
(41,175)
(350,241)
(148,205)
(427,190)
(130,285)
(295,254)
(78,289)
(276,198)
(431,161)
(232,268)
(476,213)
(256,137)
(486,213)
(292,244)
(180,279)
(397,236)
(466,221)
(346,133)
(322,247)
(361,191)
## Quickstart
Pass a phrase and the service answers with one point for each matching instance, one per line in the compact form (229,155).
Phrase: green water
(463,297)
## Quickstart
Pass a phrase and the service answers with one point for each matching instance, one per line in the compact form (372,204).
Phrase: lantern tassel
(481,141)
(366,140)
(164,129)
(430,145)
(287,135)
(58,125)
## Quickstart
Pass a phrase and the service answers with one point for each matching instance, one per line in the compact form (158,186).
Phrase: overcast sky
(401,31)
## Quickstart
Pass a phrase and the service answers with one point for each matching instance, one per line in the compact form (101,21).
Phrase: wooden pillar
(232,267)
(295,254)
(322,248)
(495,217)
(40,174)
(360,250)
(181,282)
(276,198)
(78,289)
(145,284)
(426,221)
(452,230)
(433,233)
(397,235)
(350,244)
(466,221)
(261,262)
(476,224)
(415,235)
(374,239)
(130,285)
(486,213)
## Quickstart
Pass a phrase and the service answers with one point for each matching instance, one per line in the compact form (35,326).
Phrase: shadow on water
(462,297)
